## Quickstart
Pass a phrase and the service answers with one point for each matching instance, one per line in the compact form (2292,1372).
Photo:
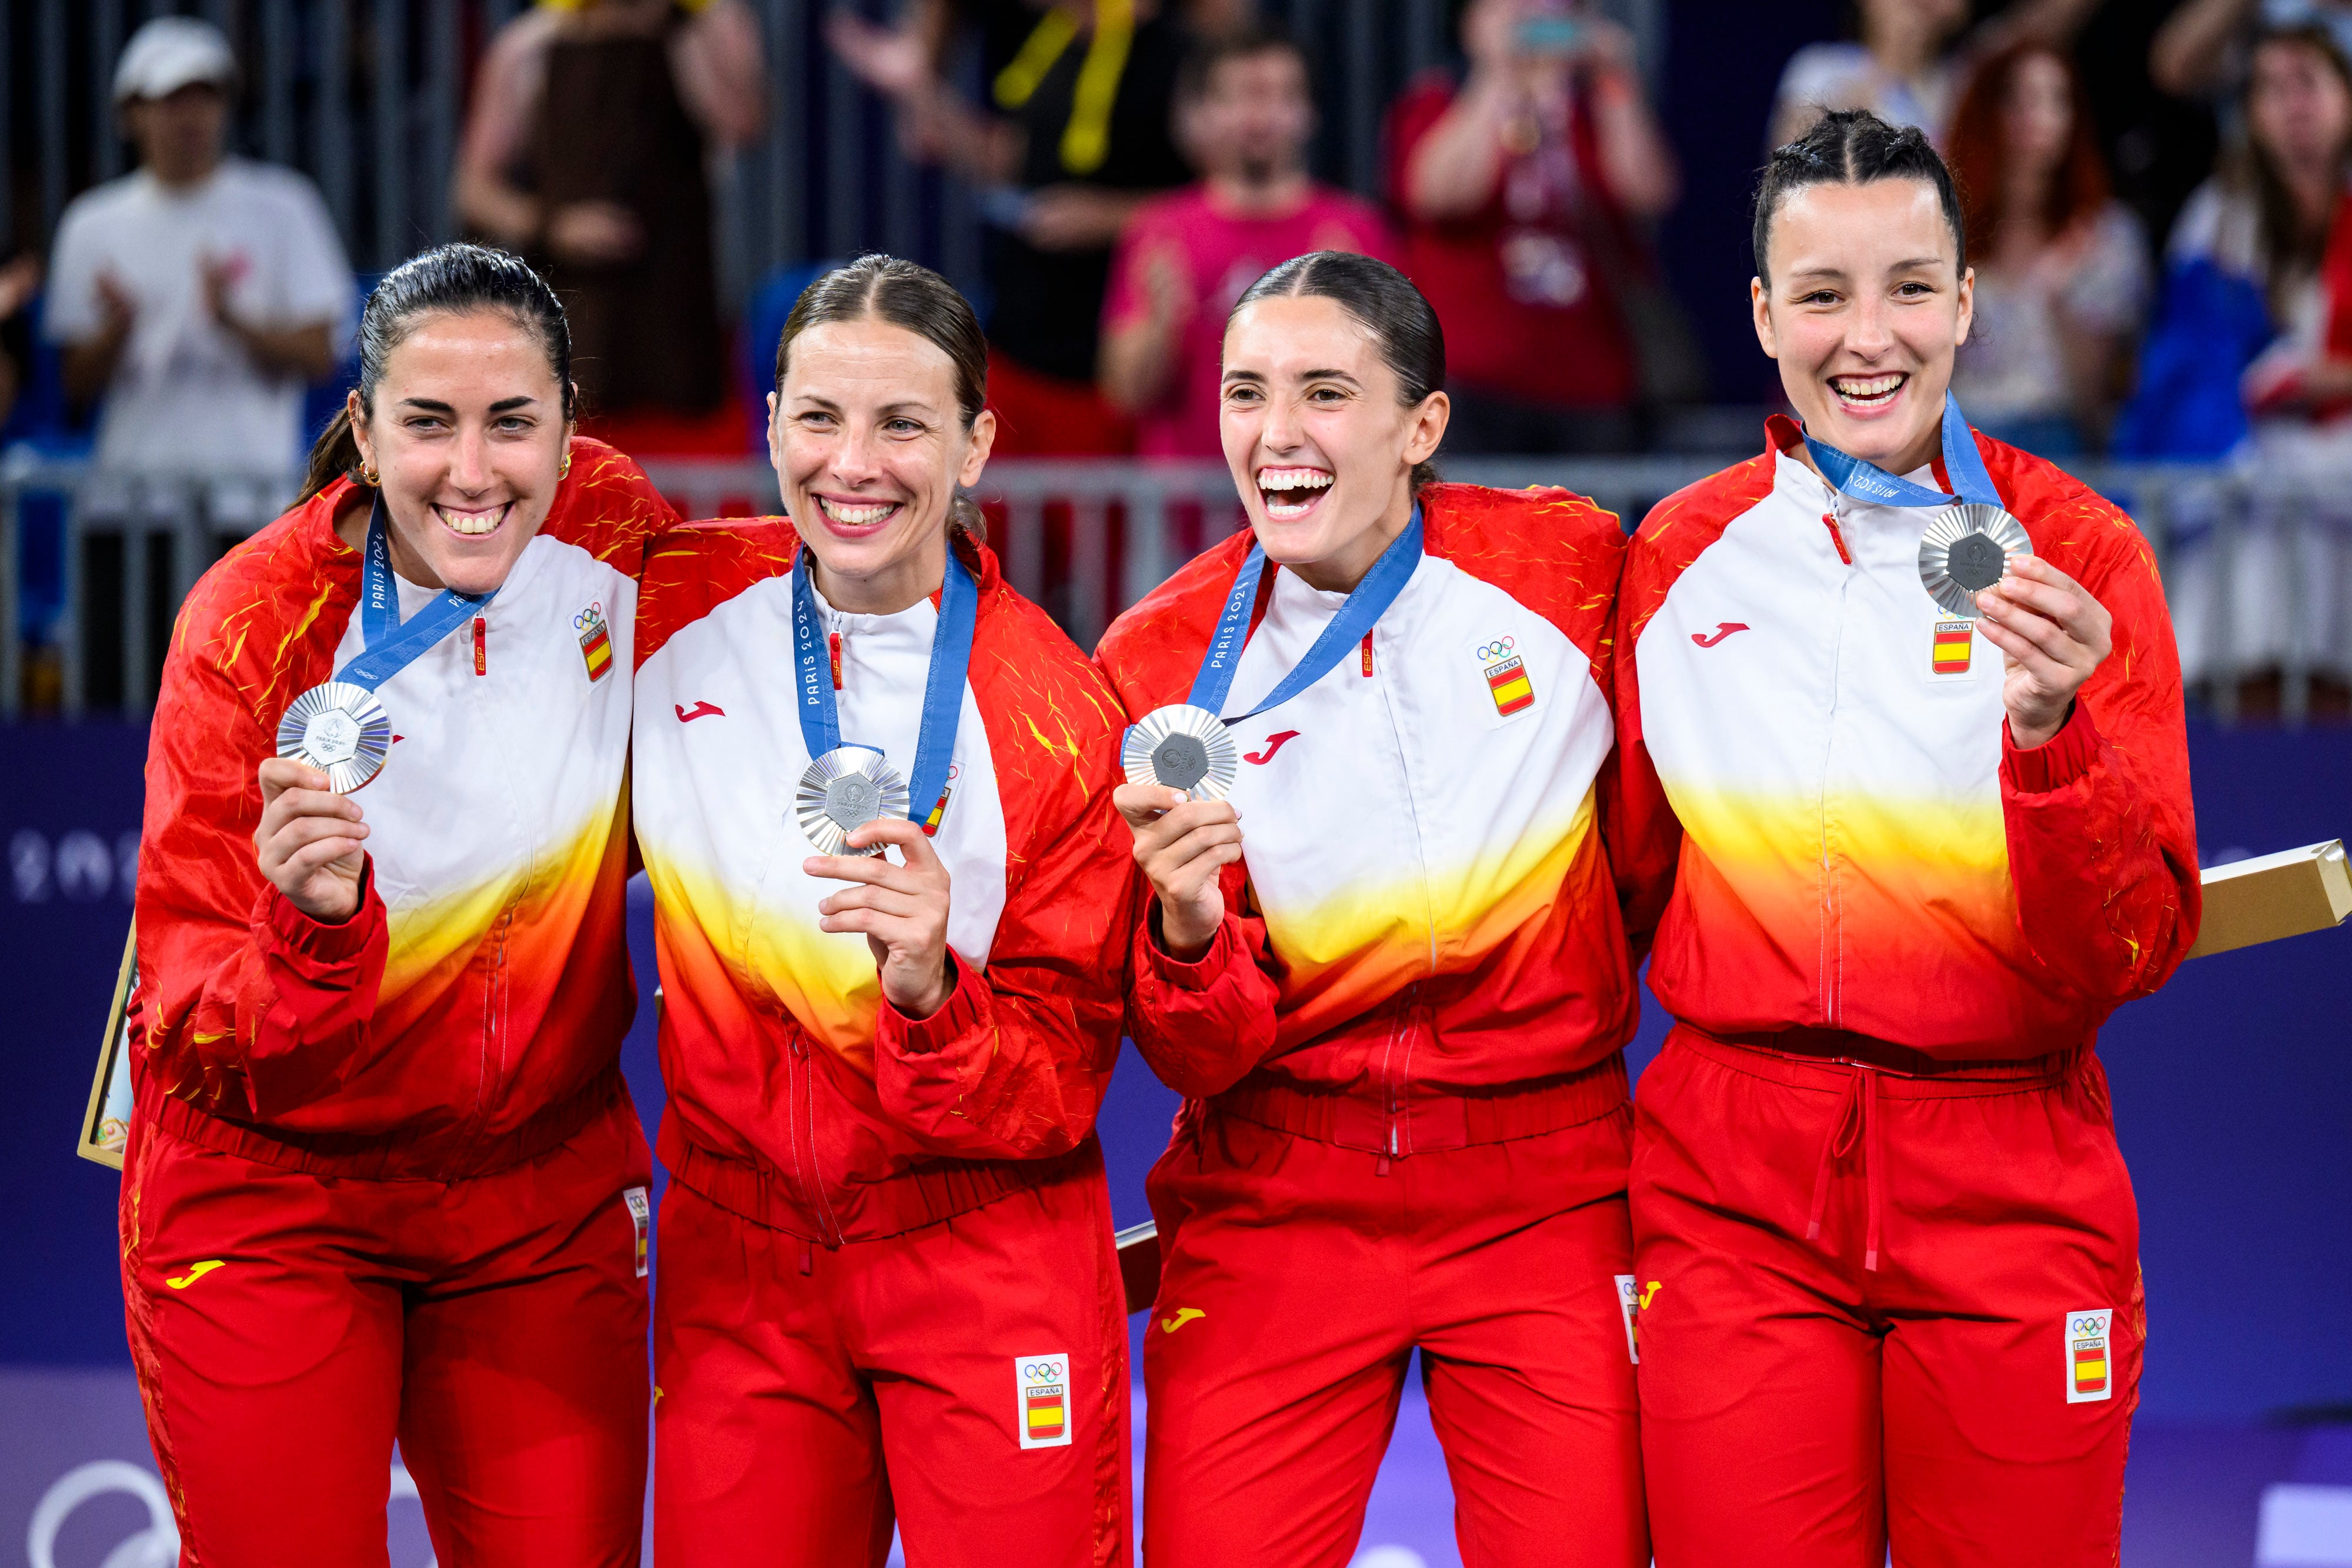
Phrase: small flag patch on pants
(2090,1364)
(641,1215)
(595,641)
(1042,1381)
(1629,1303)
(1955,641)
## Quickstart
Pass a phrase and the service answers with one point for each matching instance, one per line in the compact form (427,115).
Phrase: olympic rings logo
(592,617)
(1043,1371)
(1494,650)
(2087,1326)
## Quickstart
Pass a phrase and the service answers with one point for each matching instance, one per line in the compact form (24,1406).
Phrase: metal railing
(2251,558)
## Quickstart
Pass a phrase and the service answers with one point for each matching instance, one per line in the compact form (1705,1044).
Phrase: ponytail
(335,454)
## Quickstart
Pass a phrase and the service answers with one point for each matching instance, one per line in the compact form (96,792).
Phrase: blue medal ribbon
(1868,482)
(1356,616)
(943,687)
(1347,628)
(391,645)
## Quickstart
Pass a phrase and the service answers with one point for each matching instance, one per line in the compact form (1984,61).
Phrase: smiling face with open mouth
(870,446)
(467,434)
(1864,311)
(1319,443)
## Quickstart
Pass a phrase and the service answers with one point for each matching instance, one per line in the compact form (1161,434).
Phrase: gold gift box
(2270,896)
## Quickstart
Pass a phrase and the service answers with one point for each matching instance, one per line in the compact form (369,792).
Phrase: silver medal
(1185,748)
(1963,551)
(339,729)
(843,790)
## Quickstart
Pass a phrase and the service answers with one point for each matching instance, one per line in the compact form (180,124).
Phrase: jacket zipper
(1831,917)
(799,1137)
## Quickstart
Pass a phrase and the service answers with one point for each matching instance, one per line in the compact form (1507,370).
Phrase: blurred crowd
(2160,228)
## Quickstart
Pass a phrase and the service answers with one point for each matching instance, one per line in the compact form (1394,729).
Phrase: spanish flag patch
(595,641)
(1955,641)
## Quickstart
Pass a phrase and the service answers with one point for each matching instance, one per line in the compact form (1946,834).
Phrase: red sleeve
(1204,1026)
(2102,833)
(1014,1066)
(248,1006)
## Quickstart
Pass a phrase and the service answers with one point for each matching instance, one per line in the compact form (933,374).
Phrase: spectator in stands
(1077,136)
(1898,69)
(588,150)
(2061,268)
(1524,188)
(200,292)
(19,280)
(2251,353)
(2203,47)
(1245,116)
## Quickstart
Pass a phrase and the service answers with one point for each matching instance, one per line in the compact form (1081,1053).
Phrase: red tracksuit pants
(287,1326)
(1969,1399)
(1299,1278)
(967,1379)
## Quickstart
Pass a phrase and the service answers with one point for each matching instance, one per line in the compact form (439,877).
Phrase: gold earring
(370,477)
(565,472)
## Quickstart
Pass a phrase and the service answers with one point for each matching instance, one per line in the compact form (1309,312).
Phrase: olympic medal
(1964,551)
(1184,747)
(843,790)
(340,730)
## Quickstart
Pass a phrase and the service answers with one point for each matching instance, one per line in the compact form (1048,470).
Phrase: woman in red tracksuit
(384,1177)
(887,1283)
(1909,823)
(1386,969)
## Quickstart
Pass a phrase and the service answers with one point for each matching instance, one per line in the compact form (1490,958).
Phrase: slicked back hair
(1855,147)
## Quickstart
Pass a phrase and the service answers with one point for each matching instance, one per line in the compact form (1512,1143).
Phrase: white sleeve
(69,307)
(319,284)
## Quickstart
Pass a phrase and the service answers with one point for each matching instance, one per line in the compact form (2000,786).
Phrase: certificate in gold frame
(106,1124)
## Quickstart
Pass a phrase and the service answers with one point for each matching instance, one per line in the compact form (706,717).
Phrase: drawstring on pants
(1856,1123)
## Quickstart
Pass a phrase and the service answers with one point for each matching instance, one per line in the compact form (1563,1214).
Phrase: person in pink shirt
(1245,116)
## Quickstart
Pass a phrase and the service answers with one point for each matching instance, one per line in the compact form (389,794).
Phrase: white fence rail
(2259,566)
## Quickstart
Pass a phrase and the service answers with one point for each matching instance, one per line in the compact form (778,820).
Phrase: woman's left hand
(902,911)
(2051,633)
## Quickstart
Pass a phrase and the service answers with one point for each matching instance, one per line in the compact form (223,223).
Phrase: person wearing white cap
(197,294)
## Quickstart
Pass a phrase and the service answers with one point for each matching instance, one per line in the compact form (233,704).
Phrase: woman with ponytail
(871,787)
(1906,817)
(1381,959)
(383,1178)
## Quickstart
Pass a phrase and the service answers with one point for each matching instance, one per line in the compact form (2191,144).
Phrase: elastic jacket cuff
(957,1016)
(2057,761)
(1200,973)
(336,944)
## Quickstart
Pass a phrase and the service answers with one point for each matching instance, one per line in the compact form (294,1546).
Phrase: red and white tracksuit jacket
(1876,1192)
(1403,1049)
(918,1202)
(303,1089)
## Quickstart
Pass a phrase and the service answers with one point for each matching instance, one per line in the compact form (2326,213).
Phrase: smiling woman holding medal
(1382,958)
(1907,810)
(384,1177)
(870,788)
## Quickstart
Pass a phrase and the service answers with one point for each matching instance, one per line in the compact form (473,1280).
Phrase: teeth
(1291,479)
(856,516)
(471,524)
(1865,386)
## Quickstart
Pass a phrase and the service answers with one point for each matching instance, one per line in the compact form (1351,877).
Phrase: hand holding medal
(308,841)
(2052,634)
(901,910)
